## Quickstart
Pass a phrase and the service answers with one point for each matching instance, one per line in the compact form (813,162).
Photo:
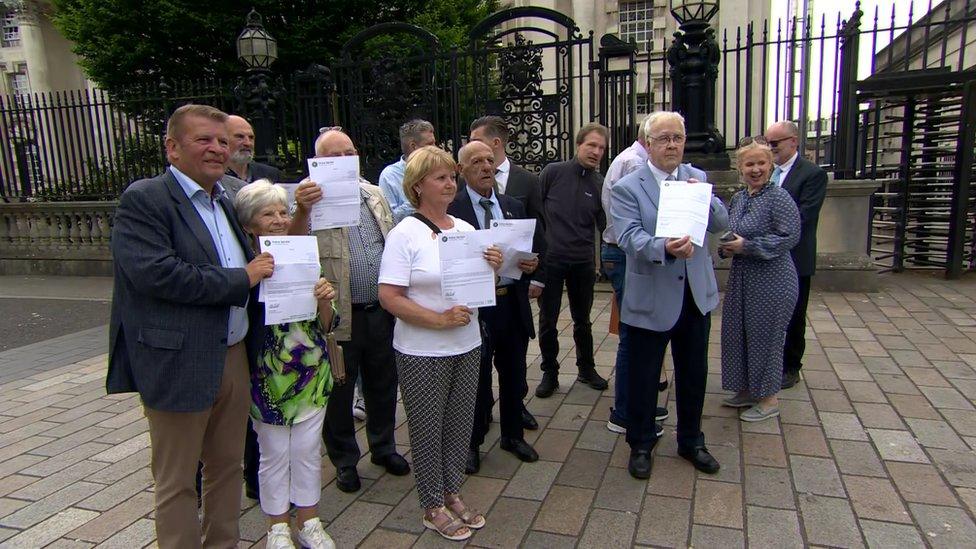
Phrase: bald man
(351,258)
(507,327)
(241,162)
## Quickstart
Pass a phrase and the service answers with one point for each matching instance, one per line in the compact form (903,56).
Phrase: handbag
(336,358)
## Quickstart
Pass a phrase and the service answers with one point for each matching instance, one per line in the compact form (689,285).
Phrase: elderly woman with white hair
(289,390)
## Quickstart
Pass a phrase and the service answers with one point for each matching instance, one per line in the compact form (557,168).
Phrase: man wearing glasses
(350,257)
(677,294)
(807,184)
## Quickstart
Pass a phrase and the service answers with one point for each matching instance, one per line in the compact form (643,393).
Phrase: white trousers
(290,469)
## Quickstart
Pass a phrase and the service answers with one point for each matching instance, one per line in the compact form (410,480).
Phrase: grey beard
(241,157)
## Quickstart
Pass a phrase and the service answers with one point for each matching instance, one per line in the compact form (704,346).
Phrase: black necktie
(486,204)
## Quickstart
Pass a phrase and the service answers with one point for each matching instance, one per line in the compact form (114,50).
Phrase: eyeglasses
(776,142)
(324,129)
(749,140)
(677,139)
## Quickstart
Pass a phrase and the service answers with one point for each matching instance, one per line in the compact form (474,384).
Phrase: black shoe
(394,463)
(593,379)
(548,385)
(661,413)
(473,464)
(701,459)
(658,429)
(252,491)
(519,448)
(347,479)
(662,386)
(639,465)
(790,378)
(528,422)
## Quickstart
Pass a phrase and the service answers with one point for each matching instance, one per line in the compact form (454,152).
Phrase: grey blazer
(168,330)
(654,280)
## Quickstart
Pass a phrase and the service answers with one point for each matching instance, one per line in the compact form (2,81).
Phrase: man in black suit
(241,163)
(506,327)
(186,328)
(517,182)
(807,184)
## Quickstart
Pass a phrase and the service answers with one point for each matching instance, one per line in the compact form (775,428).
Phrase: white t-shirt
(411,258)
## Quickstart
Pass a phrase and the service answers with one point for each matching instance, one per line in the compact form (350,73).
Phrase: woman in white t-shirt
(437,344)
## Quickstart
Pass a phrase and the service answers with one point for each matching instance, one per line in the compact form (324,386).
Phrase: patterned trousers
(439,397)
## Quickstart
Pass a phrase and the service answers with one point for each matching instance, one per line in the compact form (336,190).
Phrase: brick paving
(874,448)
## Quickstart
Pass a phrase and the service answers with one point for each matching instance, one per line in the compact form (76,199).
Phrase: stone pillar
(33,44)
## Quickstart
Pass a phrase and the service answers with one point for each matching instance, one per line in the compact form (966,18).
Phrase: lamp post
(257,92)
(694,57)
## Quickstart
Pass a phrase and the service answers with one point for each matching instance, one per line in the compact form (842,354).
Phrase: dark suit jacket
(807,184)
(257,170)
(511,209)
(168,331)
(524,185)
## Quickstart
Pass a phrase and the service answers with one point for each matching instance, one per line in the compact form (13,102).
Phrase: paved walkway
(874,448)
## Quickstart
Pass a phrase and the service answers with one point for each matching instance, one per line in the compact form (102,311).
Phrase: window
(637,22)
(11,29)
(19,83)
(643,103)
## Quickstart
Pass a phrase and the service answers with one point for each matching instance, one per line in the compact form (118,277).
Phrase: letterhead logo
(267,242)
(443,239)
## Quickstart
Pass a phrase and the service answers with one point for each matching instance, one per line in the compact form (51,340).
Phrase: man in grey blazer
(807,184)
(671,291)
(185,326)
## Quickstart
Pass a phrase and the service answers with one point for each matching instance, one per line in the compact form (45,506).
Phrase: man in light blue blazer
(671,292)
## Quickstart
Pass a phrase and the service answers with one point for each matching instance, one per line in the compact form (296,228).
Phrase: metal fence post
(845,138)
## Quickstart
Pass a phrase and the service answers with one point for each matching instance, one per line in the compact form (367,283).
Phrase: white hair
(254,197)
(662,116)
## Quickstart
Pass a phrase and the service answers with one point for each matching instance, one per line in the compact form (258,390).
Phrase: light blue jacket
(655,282)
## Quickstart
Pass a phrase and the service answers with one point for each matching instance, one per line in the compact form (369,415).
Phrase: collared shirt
(660,175)
(391,184)
(629,160)
(479,214)
(785,167)
(365,253)
(501,175)
(228,248)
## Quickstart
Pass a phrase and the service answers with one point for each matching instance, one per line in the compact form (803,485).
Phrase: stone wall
(56,238)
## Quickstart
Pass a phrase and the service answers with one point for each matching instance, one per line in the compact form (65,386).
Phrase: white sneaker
(358,405)
(279,537)
(313,536)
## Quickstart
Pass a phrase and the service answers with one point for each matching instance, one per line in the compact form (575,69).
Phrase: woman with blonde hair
(437,343)
(762,287)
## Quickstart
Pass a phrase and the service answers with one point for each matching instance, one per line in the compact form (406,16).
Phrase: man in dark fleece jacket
(574,215)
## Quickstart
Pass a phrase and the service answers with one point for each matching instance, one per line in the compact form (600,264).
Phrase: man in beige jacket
(350,258)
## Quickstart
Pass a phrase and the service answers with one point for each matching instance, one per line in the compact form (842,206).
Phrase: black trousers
(579,279)
(795,333)
(689,349)
(370,352)
(505,340)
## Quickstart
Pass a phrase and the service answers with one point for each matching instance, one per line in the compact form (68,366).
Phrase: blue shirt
(391,184)
(479,214)
(229,250)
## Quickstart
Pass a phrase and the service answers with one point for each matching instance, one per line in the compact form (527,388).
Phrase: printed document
(514,238)
(338,177)
(683,210)
(288,293)
(466,277)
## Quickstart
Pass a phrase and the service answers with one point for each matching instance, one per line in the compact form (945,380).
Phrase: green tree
(123,43)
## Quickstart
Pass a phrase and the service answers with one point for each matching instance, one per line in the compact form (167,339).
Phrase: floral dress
(761,291)
(293,377)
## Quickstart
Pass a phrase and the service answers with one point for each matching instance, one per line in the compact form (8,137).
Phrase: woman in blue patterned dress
(762,287)
(289,390)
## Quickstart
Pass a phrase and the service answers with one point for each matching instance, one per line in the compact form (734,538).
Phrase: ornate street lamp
(694,57)
(256,49)
(257,91)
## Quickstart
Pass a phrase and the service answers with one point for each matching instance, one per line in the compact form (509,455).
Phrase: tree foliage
(127,42)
